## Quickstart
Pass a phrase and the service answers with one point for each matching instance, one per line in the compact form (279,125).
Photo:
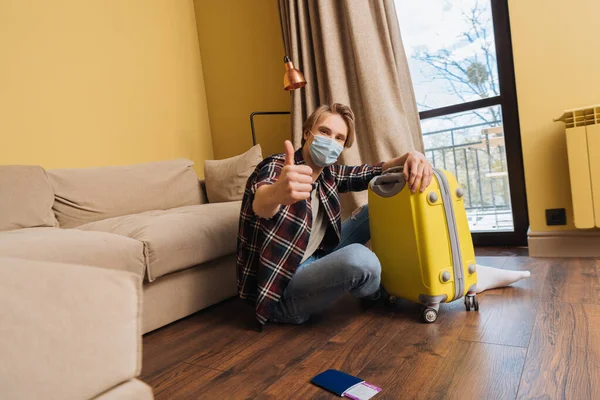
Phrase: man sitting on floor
(295,257)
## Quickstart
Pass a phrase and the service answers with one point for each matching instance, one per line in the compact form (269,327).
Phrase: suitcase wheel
(429,315)
(471,302)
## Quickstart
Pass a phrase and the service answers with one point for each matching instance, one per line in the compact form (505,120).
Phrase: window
(460,62)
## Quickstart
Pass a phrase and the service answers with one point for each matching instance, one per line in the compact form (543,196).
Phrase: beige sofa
(69,332)
(152,220)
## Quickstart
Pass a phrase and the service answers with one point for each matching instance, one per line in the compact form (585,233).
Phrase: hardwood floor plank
(556,313)
(564,355)
(225,343)
(173,332)
(208,336)
(180,382)
(412,358)
(506,316)
(477,371)
(572,281)
(492,261)
(502,251)
(349,351)
(262,362)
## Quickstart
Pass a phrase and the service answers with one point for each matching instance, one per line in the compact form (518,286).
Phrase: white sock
(491,278)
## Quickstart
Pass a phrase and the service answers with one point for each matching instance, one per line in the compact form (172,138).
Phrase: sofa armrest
(67,331)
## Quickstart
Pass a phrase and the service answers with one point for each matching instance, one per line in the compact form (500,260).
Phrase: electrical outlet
(556,216)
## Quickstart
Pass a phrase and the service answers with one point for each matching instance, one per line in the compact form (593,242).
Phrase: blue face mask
(324,151)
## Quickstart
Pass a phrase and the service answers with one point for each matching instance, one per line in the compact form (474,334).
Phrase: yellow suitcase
(423,241)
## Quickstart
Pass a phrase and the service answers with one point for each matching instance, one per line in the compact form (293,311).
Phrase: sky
(432,23)
(437,25)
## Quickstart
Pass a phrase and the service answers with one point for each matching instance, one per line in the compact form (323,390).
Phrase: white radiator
(583,148)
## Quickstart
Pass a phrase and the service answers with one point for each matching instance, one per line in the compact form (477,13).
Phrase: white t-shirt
(319,227)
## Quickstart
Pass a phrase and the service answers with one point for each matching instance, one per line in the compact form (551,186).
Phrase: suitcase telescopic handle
(399,168)
(388,184)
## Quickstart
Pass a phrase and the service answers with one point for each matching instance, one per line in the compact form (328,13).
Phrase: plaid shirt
(270,250)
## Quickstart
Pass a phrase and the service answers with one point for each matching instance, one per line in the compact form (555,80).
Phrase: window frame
(512,133)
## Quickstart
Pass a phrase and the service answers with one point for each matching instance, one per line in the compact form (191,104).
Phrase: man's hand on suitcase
(295,181)
(417,171)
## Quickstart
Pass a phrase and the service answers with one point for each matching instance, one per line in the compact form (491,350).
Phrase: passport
(345,385)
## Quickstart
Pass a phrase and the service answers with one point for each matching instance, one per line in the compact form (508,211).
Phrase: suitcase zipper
(453,233)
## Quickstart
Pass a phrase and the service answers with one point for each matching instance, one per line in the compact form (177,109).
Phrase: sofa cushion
(226,179)
(71,246)
(178,238)
(26,197)
(68,331)
(91,194)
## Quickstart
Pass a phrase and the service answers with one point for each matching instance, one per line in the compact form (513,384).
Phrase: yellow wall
(557,57)
(242,54)
(85,83)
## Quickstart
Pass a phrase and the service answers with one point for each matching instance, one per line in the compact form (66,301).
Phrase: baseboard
(585,243)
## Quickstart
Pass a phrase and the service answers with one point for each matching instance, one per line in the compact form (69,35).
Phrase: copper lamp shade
(293,79)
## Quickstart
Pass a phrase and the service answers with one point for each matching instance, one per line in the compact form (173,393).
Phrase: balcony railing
(476,155)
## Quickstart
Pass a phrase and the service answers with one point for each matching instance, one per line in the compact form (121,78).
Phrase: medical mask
(324,151)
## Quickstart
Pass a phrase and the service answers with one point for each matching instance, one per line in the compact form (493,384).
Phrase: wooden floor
(538,339)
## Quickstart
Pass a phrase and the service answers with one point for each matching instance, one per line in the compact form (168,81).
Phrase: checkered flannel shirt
(270,250)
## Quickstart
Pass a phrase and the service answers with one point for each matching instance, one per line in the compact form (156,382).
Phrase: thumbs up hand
(295,181)
(294,184)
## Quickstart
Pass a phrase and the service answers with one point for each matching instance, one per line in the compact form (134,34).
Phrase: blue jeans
(323,278)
